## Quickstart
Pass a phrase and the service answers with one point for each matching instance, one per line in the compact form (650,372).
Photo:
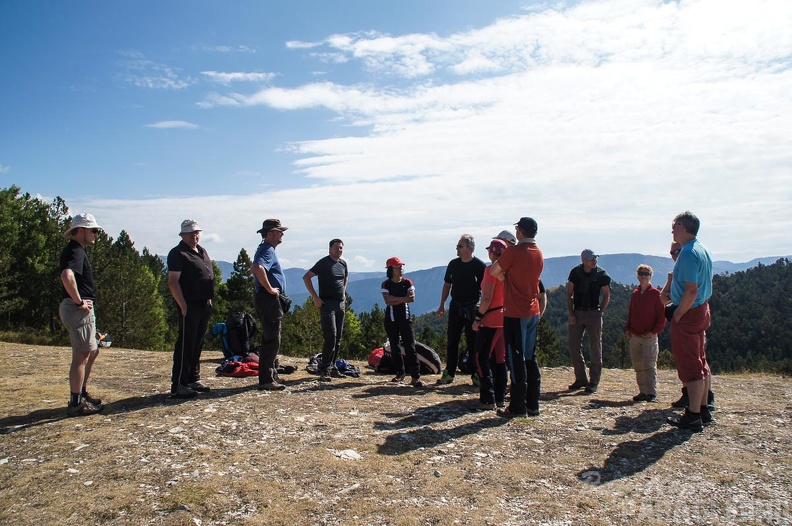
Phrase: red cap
(393,262)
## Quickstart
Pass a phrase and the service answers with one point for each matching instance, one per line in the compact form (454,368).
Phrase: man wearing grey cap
(270,284)
(587,297)
(77,312)
(191,282)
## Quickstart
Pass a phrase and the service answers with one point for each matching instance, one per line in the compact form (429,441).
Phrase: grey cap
(588,254)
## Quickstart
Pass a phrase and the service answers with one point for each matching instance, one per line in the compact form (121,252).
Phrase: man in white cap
(191,282)
(77,312)
(587,297)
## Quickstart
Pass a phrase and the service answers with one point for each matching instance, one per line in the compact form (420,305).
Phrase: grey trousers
(586,322)
(643,352)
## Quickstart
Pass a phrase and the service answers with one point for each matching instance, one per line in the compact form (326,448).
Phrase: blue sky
(398,126)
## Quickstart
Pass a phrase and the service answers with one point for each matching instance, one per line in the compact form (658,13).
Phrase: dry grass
(240,456)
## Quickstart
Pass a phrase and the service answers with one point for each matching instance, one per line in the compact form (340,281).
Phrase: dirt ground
(364,451)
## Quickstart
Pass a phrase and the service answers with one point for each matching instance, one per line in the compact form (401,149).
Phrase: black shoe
(532,412)
(416,382)
(688,420)
(84,408)
(683,400)
(199,386)
(706,416)
(272,386)
(324,376)
(591,388)
(182,391)
(508,413)
(335,373)
(650,398)
(640,397)
(577,385)
(398,378)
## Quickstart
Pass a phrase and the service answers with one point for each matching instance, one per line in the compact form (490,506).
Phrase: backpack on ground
(428,358)
(240,328)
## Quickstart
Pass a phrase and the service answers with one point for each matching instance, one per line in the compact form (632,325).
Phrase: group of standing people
(497,307)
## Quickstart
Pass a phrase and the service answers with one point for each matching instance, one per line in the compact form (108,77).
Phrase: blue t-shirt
(694,265)
(267,258)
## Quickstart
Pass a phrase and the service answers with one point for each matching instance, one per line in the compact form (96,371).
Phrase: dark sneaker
(416,382)
(182,391)
(508,413)
(272,386)
(199,386)
(398,378)
(324,376)
(91,400)
(482,406)
(335,373)
(640,397)
(687,420)
(650,398)
(84,408)
(577,385)
(706,416)
(446,379)
(591,388)
(532,412)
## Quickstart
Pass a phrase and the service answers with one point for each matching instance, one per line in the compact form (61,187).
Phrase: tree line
(751,309)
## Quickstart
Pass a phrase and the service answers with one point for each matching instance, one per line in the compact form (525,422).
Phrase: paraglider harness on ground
(380,359)
(238,367)
(343,366)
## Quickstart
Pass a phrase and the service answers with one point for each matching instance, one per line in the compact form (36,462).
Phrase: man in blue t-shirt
(333,278)
(270,284)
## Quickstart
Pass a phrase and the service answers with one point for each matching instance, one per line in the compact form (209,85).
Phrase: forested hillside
(751,329)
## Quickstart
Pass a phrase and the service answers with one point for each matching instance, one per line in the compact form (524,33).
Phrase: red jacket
(647,312)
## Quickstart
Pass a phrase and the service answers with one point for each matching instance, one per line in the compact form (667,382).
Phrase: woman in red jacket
(645,320)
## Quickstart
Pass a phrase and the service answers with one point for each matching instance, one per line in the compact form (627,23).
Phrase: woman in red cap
(398,292)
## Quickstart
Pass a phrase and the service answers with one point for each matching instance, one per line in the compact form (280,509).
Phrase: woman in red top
(490,345)
(645,320)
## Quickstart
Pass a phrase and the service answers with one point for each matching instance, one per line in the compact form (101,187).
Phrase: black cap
(528,226)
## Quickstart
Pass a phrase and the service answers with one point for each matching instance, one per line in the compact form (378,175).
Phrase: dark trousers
(520,334)
(456,325)
(493,380)
(189,344)
(332,320)
(403,329)
(270,314)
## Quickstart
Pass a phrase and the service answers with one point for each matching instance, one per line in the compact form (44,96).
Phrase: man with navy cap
(587,297)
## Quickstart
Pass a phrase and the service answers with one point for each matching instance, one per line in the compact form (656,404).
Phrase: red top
(493,318)
(647,313)
(523,264)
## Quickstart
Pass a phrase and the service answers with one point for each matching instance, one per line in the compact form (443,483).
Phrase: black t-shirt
(588,286)
(465,280)
(197,276)
(398,290)
(74,257)
(331,275)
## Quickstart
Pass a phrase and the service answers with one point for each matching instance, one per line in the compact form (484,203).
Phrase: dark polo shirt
(197,276)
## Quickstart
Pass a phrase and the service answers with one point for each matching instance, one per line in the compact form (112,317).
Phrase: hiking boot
(577,385)
(90,399)
(84,408)
(324,376)
(476,379)
(182,391)
(272,386)
(687,420)
(652,399)
(508,413)
(199,386)
(591,389)
(640,397)
(335,373)
(683,400)
(398,378)
(416,382)
(706,415)
(482,406)
(446,379)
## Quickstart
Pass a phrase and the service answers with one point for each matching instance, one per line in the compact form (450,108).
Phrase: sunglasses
(643,273)
(94,231)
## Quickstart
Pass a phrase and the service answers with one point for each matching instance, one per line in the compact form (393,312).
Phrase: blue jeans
(520,334)
(331,315)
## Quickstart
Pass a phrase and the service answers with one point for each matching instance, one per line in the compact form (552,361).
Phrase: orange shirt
(493,318)
(523,264)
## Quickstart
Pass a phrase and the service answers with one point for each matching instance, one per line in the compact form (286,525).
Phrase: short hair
(647,268)
(688,220)
(334,241)
(469,240)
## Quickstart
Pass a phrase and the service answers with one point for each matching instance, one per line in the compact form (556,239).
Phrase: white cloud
(602,120)
(172,124)
(228,78)
(147,74)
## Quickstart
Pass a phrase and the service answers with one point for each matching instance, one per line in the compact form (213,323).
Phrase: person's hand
(275,292)
(475,325)
(572,320)
(318,301)
(441,311)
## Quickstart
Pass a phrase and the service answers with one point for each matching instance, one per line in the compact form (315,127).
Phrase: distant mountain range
(364,287)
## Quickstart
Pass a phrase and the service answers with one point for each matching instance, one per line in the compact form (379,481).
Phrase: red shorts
(688,344)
